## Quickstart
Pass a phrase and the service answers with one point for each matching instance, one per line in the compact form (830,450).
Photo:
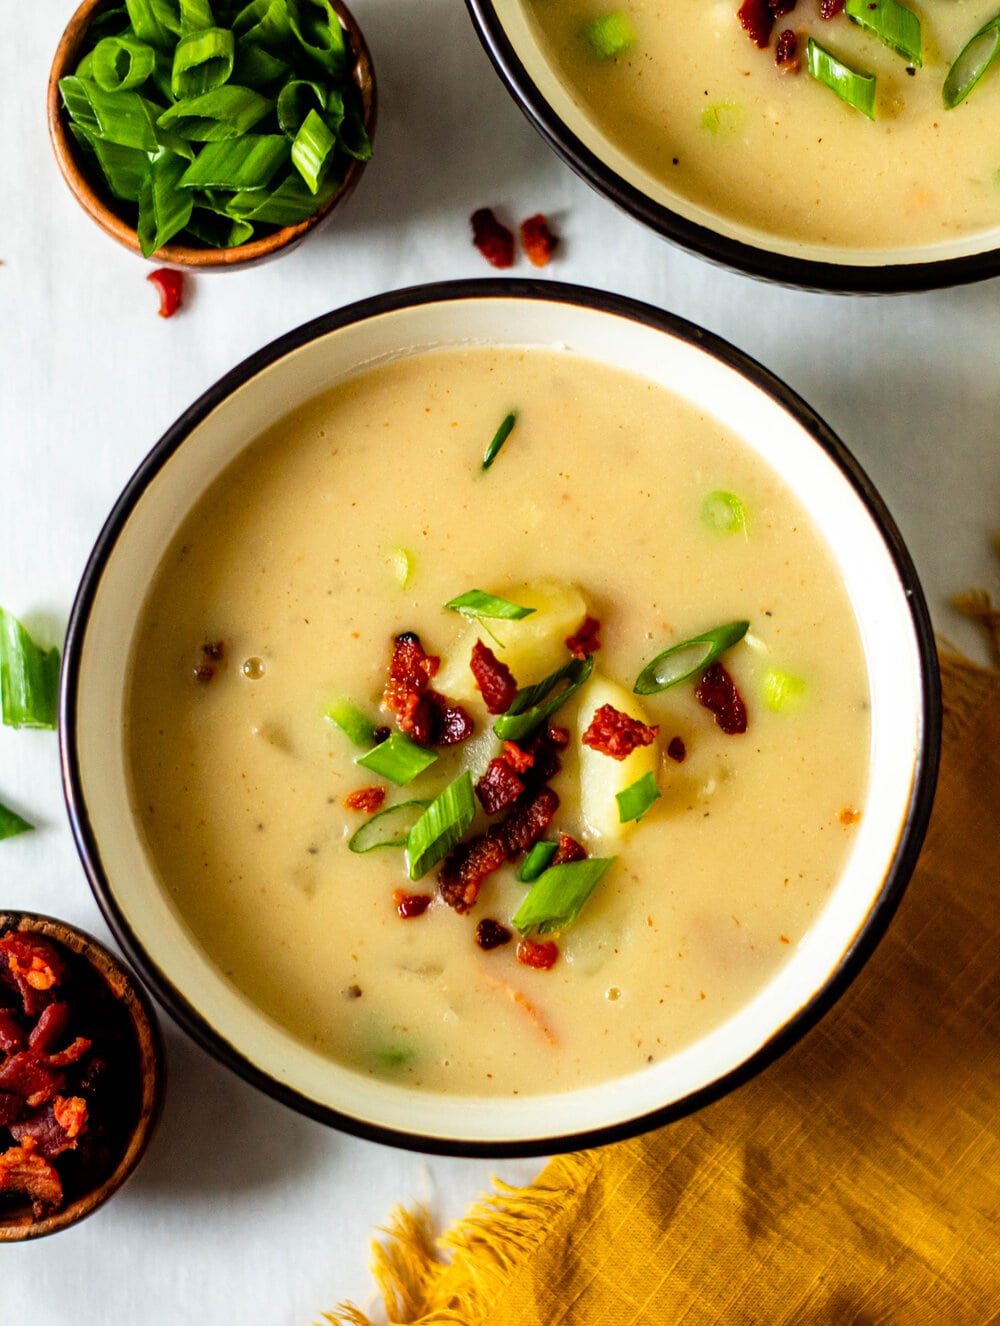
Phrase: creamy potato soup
(627,523)
(683,91)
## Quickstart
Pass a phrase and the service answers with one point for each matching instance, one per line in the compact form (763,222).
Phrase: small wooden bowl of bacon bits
(81,1075)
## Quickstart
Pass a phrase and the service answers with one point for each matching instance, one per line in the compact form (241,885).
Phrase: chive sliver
(499,438)
(971,64)
(11,824)
(850,85)
(474,603)
(389,828)
(636,799)
(352,722)
(397,758)
(895,26)
(441,826)
(29,677)
(533,705)
(558,895)
(537,861)
(690,656)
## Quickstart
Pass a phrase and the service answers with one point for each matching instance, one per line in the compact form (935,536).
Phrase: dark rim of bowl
(921,791)
(806,273)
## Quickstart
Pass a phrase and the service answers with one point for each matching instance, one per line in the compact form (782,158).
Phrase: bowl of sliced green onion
(846,145)
(211,133)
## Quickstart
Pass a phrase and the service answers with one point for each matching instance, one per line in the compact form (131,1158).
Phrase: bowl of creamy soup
(839,146)
(498,717)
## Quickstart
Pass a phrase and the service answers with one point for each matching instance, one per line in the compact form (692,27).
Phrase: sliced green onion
(972,62)
(317,28)
(125,168)
(164,209)
(537,861)
(295,100)
(11,824)
(29,677)
(724,119)
(895,26)
(225,112)
(397,758)
(73,90)
(857,89)
(312,149)
(441,826)
(724,512)
(782,691)
(389,828)
(403,564)
(352,134)
(286,205)
(250,162)
(529,708)
(681,661)
(118,117)
(557,896)
(393,1058)
(499,438)
(121,63)
(146,17)
(474,603)
(254,67)
(265,23)
(636,799)
(203,61)
(352,722)
(217,229)
(609,35)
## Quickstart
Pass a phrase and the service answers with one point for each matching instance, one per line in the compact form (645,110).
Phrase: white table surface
(242,1211)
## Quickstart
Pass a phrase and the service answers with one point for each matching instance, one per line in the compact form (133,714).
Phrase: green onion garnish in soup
(474,603)
(609,35)
(782,690)
(972,62)
(558,895)
(532,705)
(210,121)
(389,828)
(895,26)
(11,824)
(397,758)
(689,657)
(355,725)
(499,438)
(536,861)
(441,826)
(636,799)
(857,89)
(724,512)
(29,677)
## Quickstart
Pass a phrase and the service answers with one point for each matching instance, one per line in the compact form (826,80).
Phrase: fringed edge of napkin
(456,1280)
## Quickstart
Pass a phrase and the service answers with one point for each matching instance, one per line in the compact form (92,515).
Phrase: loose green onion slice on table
(558,895)
(972,62)
(537,860)
(474,603)
(636,799)
(681,661)
(894,25)
(441,826)
(389,828)
(355,725)
(533,705)
(397,758)
(857,89)
(29,677)
(724,512)
(11,824)
(609,35)
(499,438)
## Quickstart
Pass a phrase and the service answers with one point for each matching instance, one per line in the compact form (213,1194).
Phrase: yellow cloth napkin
(856,1181)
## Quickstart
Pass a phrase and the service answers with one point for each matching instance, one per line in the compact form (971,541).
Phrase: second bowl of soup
(526,726)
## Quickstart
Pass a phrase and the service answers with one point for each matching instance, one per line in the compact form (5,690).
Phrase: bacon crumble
(367,799)
(538,240)
(499,786)
(491,934)
(568,850)
(717,692)
(409,905)
(786,50)
(617,734)
(494,679)
(467,867)
(493,239)
(535,953)
(677,750)
(584,641)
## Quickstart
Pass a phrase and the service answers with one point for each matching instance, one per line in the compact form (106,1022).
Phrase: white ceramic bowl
(566,125)
(719,380)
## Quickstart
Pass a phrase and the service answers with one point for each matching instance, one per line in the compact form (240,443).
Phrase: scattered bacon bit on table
(491,934)
(677,750)
(493,239)
(717,692)
(170,284)
(367,799)
(534,953)
(616,734)
(409,905)
(538,240)
(493,679)
(584,641)
(568,850)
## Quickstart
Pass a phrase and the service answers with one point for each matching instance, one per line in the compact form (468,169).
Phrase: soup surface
(357,518)
(696,105)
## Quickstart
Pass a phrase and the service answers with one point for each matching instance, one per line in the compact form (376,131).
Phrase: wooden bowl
(93,196)
(143,1078)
